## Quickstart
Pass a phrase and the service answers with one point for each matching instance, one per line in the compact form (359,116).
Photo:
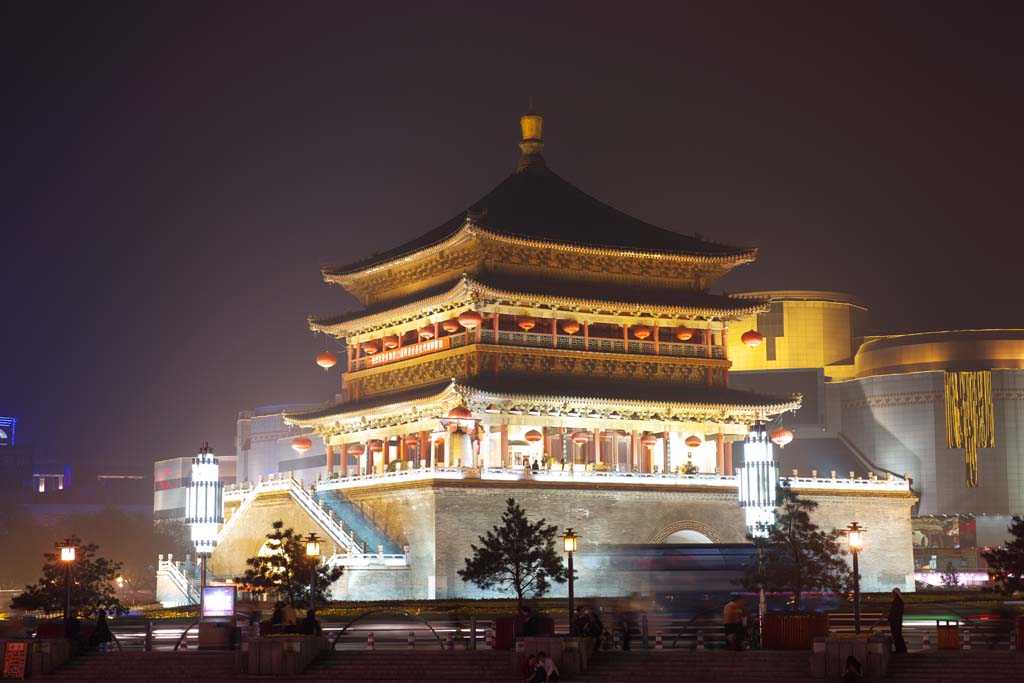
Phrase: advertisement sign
(218,601)
(15,659)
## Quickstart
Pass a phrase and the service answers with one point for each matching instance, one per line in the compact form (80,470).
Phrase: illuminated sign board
(406,352)
(7,431)
(219,601)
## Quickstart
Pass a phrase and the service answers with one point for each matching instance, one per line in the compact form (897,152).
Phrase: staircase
(407,667)
(960,666)
(667,665)
(149,667)
(353,519)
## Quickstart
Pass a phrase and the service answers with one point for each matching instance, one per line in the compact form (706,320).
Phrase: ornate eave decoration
(468,294)
(334,420)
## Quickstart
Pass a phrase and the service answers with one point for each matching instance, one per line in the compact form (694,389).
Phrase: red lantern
(752,338)
(376,446)
(782,436)
(326,360)
(390,342)
(684,334)
(450,326)
(370,348)
(356,449)
(570,327)
(641,332)
(426,332)
(693,441)
(533,436)
(580,438)
(649,440)
(412,441)
(470,319)
(526,324)
(460,413)
(301,444)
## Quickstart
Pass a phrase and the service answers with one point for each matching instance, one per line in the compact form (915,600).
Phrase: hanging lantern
(412,441)
(641,332)
(693,441)
(782,436)
(570,327)
(326,360)
(390,342)
(752,338)
(376,446)
(426,332)
(470,319)
(356,450)
(649,440)
(460,413)
(301,444)
(370,348)
(580,438)
(684,334)
(450,326)
(526,324)
(533,436)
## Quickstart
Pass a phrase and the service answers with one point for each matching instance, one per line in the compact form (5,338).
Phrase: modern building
(264,445)
(543,346)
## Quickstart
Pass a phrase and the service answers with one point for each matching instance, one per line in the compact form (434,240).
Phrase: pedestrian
(624,624)
(546,666)
(310,626)
(852,672)
(101,636)
(529,669)
(527,621)
(733,617)
(896,622)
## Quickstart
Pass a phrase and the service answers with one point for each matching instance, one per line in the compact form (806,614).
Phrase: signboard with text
(411,351)
(218,601)
(15,659)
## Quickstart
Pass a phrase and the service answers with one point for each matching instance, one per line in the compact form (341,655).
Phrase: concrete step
(415,666)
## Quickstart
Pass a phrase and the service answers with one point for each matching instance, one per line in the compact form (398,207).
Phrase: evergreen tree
(949,577)
(285,570)
(92,583)
(518,556)
(1006,564)
(799,556)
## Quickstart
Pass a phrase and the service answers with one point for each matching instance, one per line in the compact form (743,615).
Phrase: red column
(719,453)
(728,458)
(425,448)
(664,453)
(330,458)
(633,438)
(504,445)
(597,446)
(497,327)
(656,352)
(554,332)
(586,336)
(625,338)
(401,449)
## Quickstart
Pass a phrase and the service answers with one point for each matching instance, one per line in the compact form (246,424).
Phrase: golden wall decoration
(970,419)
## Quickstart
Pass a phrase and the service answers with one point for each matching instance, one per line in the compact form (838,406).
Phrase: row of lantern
(780,437)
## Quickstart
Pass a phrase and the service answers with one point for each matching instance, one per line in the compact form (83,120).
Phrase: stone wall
(440,519)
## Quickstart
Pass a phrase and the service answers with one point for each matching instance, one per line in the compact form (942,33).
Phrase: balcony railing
(576,342)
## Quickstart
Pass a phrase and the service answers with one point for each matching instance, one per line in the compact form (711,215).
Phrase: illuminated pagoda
(574,335)
(545,347)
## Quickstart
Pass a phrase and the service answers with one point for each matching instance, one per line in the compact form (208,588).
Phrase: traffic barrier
(369,641)
(449,643)
(616,640)
(490,638)
(657,641)
(967,639)
(700,640)
(410,643)
(926,643)
(147,644)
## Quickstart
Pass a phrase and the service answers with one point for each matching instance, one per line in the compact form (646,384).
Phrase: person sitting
(546,668)
(852,672)
(529,669)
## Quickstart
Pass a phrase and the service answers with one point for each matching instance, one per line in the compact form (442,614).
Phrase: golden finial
(532,144)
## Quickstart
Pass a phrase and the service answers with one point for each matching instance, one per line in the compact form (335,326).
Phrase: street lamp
(855,536)
(313,553)
(67,556)
(570,542)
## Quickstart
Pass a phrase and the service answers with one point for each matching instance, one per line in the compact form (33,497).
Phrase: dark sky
(174,174)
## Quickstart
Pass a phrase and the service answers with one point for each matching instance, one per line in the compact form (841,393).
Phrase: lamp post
(855,536)
(67,556)
(570,542)
(313,553)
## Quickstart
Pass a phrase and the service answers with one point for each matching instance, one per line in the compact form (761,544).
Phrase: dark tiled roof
(371,402)
(538,204)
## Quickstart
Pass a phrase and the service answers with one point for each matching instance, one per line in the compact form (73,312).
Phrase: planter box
(792,631)
(283,656)
(829,656)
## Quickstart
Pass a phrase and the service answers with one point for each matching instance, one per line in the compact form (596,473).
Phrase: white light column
(204,510)
(758,479)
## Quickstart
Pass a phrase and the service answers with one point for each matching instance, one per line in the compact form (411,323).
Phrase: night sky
(175,174)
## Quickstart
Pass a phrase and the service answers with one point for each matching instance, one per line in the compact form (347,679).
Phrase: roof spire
(532,144)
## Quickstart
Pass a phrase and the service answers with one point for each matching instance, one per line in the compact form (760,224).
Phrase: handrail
(179,579)
(387,611)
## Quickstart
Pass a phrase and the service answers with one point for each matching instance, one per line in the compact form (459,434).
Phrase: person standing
(896,621)
(101,636)
(733,617)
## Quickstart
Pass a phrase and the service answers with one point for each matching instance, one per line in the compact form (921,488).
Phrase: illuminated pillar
(758,480)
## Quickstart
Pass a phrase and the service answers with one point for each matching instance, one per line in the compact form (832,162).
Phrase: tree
(518,556)
(285,569)
(1006,564)
(92,583)
(798,556)
(949,577)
